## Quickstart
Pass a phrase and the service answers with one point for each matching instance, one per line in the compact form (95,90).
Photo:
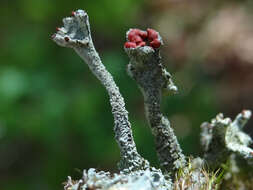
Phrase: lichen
(147,70)
(222,137)
(150,179)
(222,140)
(76,34)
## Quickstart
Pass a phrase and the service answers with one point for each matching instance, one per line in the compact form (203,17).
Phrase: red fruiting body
(130,36)
(73,13)
(139,38)
(66,39)
(132,33)
(136,39)
(57,29)
(137,32)
(141,44)
(152,34)
(143,34)
(130,45)
(155,43)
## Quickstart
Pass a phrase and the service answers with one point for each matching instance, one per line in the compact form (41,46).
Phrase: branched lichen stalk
(222,137)
(146,69)
(76,34)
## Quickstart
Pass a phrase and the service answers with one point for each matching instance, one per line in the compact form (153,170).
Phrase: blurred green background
(55,117)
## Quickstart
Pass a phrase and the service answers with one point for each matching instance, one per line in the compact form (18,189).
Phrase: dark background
(55,117)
